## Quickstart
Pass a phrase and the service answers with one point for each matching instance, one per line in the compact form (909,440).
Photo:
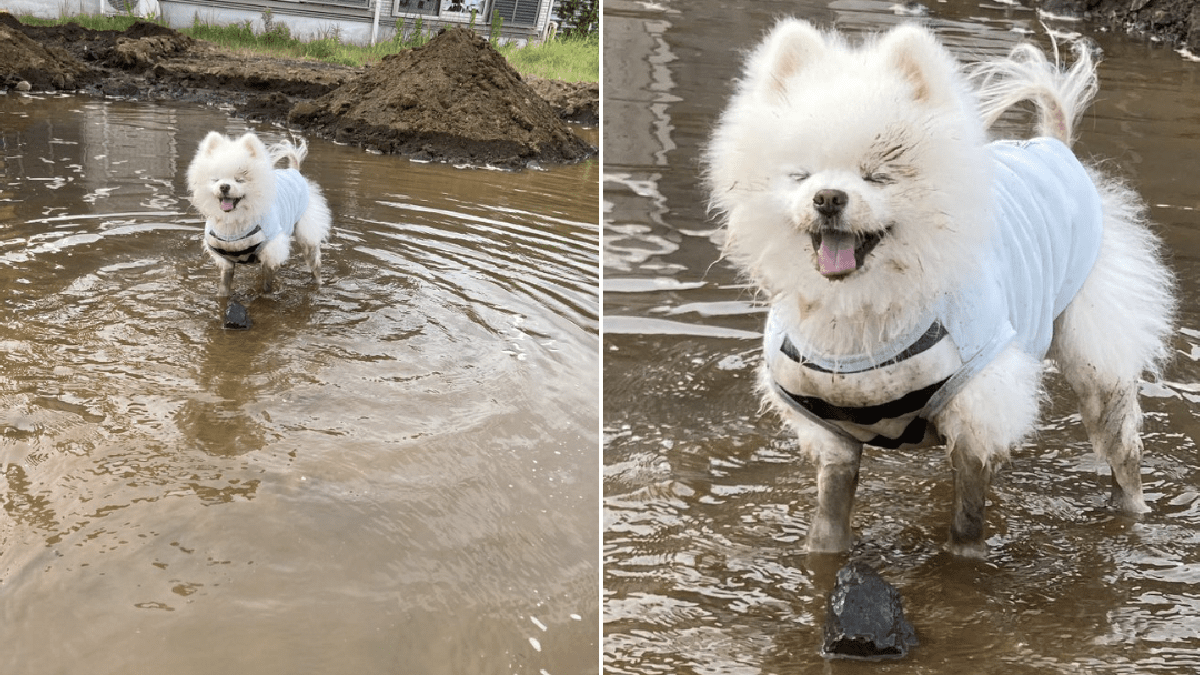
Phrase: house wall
(352,20)
(52,9)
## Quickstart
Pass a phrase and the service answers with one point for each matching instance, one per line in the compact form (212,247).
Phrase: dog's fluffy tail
(1060,94)
(294,154)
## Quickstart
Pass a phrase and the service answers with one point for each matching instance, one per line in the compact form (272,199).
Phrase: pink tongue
(227,204)
(837,253)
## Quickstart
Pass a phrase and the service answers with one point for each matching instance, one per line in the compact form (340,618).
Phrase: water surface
(395,473)
(707,501)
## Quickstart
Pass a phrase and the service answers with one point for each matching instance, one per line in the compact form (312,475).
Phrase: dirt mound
(144,52)
(235,79)
(454,99)
(574,101)
(139,46)
(41,67)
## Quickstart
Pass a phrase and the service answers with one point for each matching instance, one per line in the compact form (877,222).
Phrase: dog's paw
(1132,506)
(972,550)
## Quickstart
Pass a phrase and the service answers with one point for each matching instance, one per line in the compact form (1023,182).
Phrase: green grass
(571,60)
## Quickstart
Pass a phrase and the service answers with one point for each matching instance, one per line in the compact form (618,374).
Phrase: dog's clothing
(291,200)
(1047,238)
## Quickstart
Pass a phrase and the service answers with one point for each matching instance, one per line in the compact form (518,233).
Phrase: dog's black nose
(224,188)
(830,202)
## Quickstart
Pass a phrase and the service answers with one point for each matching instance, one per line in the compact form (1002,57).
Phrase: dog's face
(231,181)
(855,173)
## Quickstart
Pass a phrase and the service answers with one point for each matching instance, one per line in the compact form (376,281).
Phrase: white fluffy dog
(253,209)
(918,275)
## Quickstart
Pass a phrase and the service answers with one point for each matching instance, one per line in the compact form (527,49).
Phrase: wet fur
(246,167)
(899,107)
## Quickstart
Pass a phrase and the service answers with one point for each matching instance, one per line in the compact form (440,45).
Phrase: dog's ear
(211,142)
(921,60)
(788,49)
(254,147)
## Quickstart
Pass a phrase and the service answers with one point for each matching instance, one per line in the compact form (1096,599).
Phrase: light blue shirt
(1049,227)
(291,200)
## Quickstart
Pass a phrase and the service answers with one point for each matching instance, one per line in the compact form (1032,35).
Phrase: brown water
(395,474)
(706,501)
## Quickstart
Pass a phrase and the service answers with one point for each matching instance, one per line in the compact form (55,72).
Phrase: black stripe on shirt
(245,255)
(913,434)
(251,233)
(932,336)
(868,415)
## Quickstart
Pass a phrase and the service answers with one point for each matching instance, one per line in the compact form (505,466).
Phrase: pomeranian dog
(918,275)
(253,209)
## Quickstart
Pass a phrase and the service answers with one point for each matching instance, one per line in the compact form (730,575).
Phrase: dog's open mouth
(840,253)
(229,203)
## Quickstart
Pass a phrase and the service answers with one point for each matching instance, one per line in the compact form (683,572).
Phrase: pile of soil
(141,45)
(30,65)
(477,110)
(455,97)
(574,101)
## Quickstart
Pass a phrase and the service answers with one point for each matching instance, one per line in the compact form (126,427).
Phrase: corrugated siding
(519,12)
(343,3)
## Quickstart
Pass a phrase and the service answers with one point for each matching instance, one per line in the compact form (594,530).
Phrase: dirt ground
(454,99)
(1174,22)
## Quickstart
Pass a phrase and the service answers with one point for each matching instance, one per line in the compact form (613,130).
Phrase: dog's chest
(873,398)
(873,385)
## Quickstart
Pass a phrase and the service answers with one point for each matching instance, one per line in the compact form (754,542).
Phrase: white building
(354,21)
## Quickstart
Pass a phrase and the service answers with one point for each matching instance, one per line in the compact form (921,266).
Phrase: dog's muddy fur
(857,204)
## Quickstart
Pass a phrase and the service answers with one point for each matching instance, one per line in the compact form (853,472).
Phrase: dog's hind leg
(312,257)
(313,229)
(1113,419)
(1115,329)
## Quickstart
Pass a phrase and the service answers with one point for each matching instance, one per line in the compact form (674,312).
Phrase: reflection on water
(706,500)
(395,473)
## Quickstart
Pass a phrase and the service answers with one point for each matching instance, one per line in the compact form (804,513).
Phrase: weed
(497,24)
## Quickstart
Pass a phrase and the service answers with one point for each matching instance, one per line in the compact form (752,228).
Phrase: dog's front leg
(837,479)
(268,278)
(972,476)
(992,414)
(225,283)
(830,528)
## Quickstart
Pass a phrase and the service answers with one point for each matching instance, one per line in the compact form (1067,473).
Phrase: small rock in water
(236,316)
(866,619)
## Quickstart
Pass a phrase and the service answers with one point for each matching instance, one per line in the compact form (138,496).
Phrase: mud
(1174,22)
(28,64)
(573,101)
(454,97)
(453,100)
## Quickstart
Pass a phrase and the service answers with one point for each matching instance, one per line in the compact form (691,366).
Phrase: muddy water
(393,474)
(706,502)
